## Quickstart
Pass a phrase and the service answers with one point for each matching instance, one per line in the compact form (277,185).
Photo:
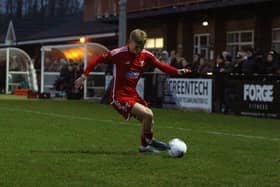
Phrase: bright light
(82,40)
(152,43)
(205,23)
(159,42)
(74,53)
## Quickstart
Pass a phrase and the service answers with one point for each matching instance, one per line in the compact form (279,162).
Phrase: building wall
(153,4)
(104,8)
(240,24)
(179,30)
(89,12)
(99,8)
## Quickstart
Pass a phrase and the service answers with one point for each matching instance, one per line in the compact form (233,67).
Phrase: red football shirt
(128,68)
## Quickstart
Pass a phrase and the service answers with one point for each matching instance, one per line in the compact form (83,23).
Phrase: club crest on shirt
(142,63)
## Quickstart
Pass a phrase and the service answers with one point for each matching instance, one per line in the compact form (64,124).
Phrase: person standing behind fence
(219,64)
(270,63)
(159,79)
(239,60)
(203,66)
(163,57)
(175,60)
(228,64)
(249,64)
(172,56)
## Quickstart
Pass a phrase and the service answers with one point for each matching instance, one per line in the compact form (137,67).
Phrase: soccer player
(129,62)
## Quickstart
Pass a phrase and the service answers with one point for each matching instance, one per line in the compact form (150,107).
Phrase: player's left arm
(167,68)
(102,58)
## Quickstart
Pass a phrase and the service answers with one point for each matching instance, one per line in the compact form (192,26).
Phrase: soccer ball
(177,148)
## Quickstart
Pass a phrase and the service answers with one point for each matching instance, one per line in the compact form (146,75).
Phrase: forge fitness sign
(260,99)
(195,94)
(256,92)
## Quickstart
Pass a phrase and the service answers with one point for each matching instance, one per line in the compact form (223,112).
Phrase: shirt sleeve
(163,67)
(105,58)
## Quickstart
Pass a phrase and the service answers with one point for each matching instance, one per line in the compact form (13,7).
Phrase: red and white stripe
(119,50)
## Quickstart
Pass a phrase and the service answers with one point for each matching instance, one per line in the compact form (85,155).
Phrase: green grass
(12,97)
(81,143)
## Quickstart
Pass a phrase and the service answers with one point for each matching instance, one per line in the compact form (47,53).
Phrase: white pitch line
(55,115)
(64,116)
(243,136)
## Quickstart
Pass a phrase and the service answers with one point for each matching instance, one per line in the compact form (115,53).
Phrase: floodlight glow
(205,23)
(82,40)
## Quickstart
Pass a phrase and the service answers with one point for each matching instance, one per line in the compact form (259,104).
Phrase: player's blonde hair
(138,36)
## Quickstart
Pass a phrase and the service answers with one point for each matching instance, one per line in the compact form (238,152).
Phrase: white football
(177,148)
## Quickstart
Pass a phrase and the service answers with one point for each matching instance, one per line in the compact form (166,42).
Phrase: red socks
(146,138)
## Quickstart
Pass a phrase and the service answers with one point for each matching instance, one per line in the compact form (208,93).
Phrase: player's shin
(146,138)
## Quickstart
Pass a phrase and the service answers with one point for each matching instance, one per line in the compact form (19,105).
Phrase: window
(201,45)
(276,39)
(154,43)
(239,40)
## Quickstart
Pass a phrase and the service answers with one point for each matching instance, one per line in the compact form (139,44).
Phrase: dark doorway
(2,76)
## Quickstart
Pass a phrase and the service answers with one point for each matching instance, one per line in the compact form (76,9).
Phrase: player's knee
(149,115)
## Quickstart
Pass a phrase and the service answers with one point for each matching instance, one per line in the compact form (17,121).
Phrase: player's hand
(79,82)
(183,71)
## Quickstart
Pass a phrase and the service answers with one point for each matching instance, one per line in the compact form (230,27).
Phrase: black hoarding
(258,98)
(255,95)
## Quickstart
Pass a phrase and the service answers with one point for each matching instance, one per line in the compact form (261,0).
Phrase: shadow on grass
(90,152)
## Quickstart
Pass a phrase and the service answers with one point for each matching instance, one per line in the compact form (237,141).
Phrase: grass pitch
(82,143)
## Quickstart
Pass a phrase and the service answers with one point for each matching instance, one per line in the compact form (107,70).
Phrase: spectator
(225,54)
(175,62)
(203,67)
(195,63)
(249,64)
(164,57)
(260,62)
(237,65)
(172,56)
(219,64)
(228,64)
(77,70)
(185,63)
(270,63)
(66,77)
(157,53)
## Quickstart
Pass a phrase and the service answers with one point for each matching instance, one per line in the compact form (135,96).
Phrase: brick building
(199,26)
(189,26)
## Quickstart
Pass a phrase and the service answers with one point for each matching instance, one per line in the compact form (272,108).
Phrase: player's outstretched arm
(166,68)
(170,69)
(104,58)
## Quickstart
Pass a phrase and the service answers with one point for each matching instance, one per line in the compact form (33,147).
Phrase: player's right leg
(145,116)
